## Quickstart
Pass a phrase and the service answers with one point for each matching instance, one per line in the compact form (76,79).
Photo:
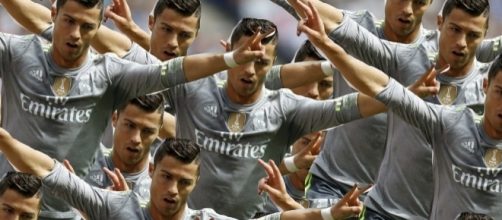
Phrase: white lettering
(47,110)
(221,146)
(478,180)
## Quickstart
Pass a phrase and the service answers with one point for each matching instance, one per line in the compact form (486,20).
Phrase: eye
(185,35)
(185,182)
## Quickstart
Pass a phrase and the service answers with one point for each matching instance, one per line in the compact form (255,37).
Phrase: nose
(313,92)
(136,137)
(249,68)
(172,41)
(408,8)
(172,188)
(461,41)
(75,33)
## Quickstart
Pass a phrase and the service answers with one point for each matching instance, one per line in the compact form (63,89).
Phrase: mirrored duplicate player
(66,95)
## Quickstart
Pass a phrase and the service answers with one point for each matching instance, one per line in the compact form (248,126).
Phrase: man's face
(15,206)
(320,90)
(461,34)
(405,16)
(172,183)
(74,27)
(172,34)
(247,80)
(135,130)
(493,107)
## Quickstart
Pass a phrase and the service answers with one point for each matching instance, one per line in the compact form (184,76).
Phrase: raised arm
(36,18)
(331,16)
(23,157)
(32,16)
(120,13)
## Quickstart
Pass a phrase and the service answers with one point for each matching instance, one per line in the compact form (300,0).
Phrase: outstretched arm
(23,157)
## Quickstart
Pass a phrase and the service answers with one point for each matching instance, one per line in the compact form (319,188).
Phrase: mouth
(170,201)
(133,149)
(404,21)
(170,54)
(72,45)
(458,54)
(247,81)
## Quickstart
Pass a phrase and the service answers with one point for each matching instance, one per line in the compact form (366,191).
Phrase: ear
(53,12)
(485,85)
(151,22)
(151,168)
(115,118)
(439,21)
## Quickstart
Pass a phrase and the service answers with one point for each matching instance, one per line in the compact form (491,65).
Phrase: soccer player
(20,196)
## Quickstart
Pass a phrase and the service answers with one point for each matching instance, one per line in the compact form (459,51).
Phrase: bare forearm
(331,16)
(299,74)
(168,129)
(369,106)
(365,78)
(138,35)
(110,41)
(203,65)
(300,214)
(32,16)
(23,157)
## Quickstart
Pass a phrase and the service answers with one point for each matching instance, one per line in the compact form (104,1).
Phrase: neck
(65,62)
(129,168)
(392,36)
(156,215)
(243,100)
(455,71)
(490,131)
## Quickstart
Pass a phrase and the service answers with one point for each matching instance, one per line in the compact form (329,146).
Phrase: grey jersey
(138,182)
(98,203)
(232,137)
(348,159)
(69,126)
(462,181)
(404,187)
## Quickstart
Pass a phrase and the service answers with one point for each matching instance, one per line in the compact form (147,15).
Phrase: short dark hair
(307,50)
(181,149)
(248,26)
(472,7)
(495,68)
(25,184)
(183,7)
(148,103)
(87,3)
(473,216)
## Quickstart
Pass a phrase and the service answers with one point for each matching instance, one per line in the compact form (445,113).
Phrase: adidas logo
(38,74)
(468,145)
(212,110)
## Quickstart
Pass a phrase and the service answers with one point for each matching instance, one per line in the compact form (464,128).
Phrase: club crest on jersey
(493,157)
(236,121)
(61,85)
(447,94)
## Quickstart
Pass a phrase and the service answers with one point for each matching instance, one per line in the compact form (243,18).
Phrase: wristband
(229,59)
(289,162)
(327,68)
(326,214)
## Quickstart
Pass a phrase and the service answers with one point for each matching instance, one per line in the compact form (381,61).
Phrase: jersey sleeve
(367,47)
(79,194)
(5,54)
(130,80)
(412,109)
(47,33)
(273,79)
(489,49)
(307,115)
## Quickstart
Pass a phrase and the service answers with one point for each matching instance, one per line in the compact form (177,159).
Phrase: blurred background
(219,17)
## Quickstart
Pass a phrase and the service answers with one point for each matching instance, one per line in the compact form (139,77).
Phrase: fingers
(68,166)
(345,199)
(118,180)
(225,45)
(268,169)
(444,69)
(275,168)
